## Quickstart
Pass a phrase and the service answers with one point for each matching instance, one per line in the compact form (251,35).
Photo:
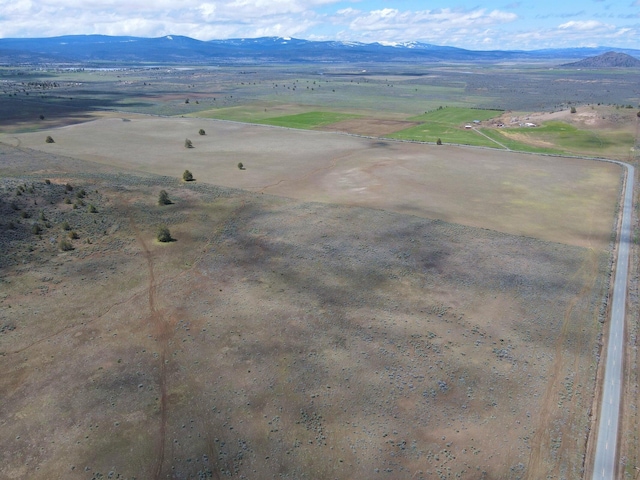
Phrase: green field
(447,124)
(431,132)
(456,115)
(307,120)
(251,113)
(289,115)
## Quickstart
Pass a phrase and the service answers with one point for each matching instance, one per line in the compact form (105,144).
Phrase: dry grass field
(563,200)
(341,308)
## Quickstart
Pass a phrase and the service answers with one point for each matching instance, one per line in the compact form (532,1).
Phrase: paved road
(606,456)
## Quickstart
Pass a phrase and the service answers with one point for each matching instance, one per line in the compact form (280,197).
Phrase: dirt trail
(161,329)
(16,144)
(541,463)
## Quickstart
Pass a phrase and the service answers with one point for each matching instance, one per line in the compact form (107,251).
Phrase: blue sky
(477,25)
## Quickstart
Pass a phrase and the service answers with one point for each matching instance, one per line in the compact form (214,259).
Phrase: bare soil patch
(279,337)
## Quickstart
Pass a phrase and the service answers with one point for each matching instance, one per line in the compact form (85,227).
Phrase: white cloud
(195,18)
(577,33)
(432,26)
(350,20)
(589,25)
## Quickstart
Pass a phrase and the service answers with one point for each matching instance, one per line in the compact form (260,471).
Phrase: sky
(471,24)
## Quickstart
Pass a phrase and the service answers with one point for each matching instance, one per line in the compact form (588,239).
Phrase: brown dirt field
(346,308)
(565,200)
(368,126)
(283,338)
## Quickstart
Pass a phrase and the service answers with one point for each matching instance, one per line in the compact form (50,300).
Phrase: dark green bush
(164,235)
(163,198)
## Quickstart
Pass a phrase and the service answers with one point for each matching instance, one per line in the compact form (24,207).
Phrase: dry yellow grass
(565,200)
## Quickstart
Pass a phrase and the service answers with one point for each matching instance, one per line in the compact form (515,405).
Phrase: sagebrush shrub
(65,245)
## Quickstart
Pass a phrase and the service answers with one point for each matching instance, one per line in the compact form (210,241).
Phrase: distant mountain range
(173,49)
(607,60)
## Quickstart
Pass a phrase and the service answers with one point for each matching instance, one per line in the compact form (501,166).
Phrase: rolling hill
(607,60)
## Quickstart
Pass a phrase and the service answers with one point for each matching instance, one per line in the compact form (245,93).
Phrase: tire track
(538,466)
(161,328)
